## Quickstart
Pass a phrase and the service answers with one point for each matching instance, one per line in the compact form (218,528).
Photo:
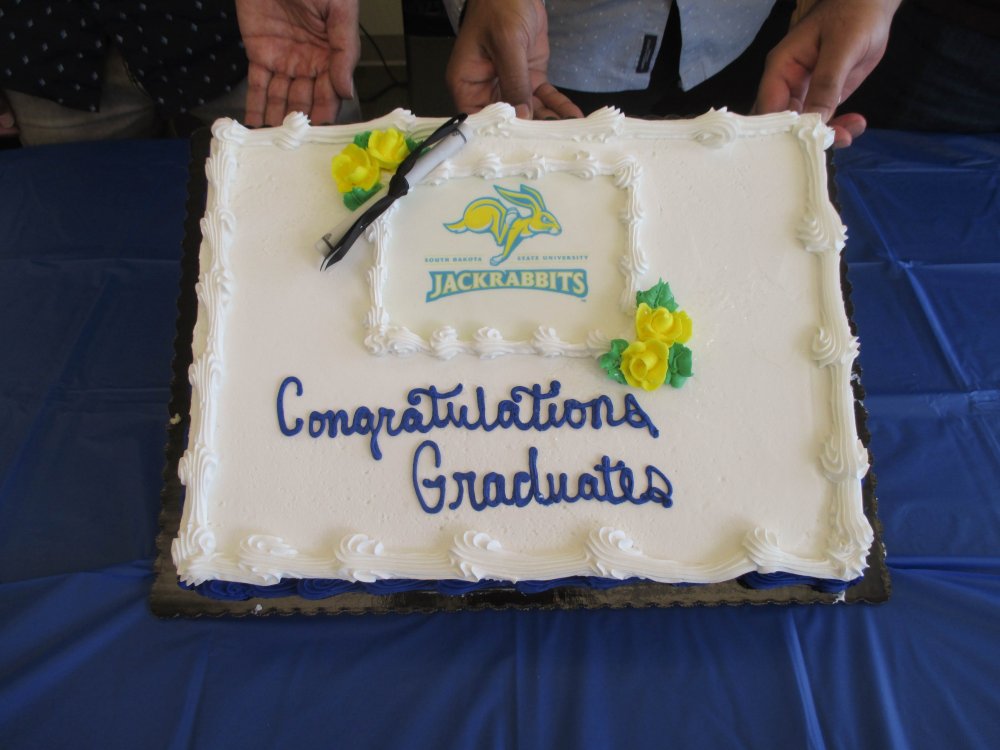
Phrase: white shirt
(611,45)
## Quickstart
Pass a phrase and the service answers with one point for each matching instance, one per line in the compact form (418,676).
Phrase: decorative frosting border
(714,129)
(472,556)
(386,337)
(844,458)
(476,556)
(195,540)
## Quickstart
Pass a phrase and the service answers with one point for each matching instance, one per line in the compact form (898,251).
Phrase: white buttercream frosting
(760,447)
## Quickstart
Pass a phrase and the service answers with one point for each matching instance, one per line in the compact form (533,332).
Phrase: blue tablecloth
(90,239)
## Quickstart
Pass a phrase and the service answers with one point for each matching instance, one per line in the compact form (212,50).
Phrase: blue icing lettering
(430,409)
(609,483)
(440,483)
(282,424)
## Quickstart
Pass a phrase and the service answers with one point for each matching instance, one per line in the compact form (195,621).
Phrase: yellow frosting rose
(644,364)
(353,167)
(388,148)
(660,324)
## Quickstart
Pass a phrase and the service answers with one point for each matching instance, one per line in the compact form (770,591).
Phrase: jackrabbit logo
(509,225)
(522,216)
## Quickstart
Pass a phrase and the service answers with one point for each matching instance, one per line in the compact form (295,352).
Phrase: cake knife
(443,143)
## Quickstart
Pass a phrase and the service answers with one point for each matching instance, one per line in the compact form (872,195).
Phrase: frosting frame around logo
(386,334)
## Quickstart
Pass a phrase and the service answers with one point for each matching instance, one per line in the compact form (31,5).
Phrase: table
(90,239)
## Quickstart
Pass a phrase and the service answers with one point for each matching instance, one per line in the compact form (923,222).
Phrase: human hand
(502,54)
(824,58)
(302,55)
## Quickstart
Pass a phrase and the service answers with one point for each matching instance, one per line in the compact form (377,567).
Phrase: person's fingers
(837,57)
(523,111)
(510,58)
(841,137)
(258,77)
(469,76)
(345,48)
(342,64)
(300,95)
(846,128)
(471,97)
(472,83)
(853,122)
(773,90)
(325,103)
(277,99)
(782,87)
(555,103)
(499,49)
(785,79)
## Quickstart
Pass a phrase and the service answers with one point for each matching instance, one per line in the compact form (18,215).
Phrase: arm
(302,55)
(502,54)
(824,58)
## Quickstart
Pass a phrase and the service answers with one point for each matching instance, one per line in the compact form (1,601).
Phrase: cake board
(169,599)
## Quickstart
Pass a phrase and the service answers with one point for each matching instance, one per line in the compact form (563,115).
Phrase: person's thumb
(511,61)
(826,84)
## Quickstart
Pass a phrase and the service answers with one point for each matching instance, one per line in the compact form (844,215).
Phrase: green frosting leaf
(361,140)
(357,197)
(611,362)
(658,296)
(410,143)
(679,363)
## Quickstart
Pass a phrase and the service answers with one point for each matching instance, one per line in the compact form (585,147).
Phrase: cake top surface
(438,405)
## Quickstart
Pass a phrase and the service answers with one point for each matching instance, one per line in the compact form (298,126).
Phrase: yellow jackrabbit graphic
(506,223)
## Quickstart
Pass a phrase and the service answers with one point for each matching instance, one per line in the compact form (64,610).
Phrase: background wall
(415,39)
(382,17)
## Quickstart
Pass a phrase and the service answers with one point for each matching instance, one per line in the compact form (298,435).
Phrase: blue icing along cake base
(322,588)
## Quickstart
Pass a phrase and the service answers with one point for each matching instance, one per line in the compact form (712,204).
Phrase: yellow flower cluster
(353,167)
(645,362)
(357,167)
(388,148)
(661,324)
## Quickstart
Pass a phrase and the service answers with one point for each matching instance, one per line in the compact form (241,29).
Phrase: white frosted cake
(484,391)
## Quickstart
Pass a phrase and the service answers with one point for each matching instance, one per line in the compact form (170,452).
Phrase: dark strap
(398,187)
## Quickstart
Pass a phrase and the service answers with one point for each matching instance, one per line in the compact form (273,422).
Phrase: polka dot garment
(181,52)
